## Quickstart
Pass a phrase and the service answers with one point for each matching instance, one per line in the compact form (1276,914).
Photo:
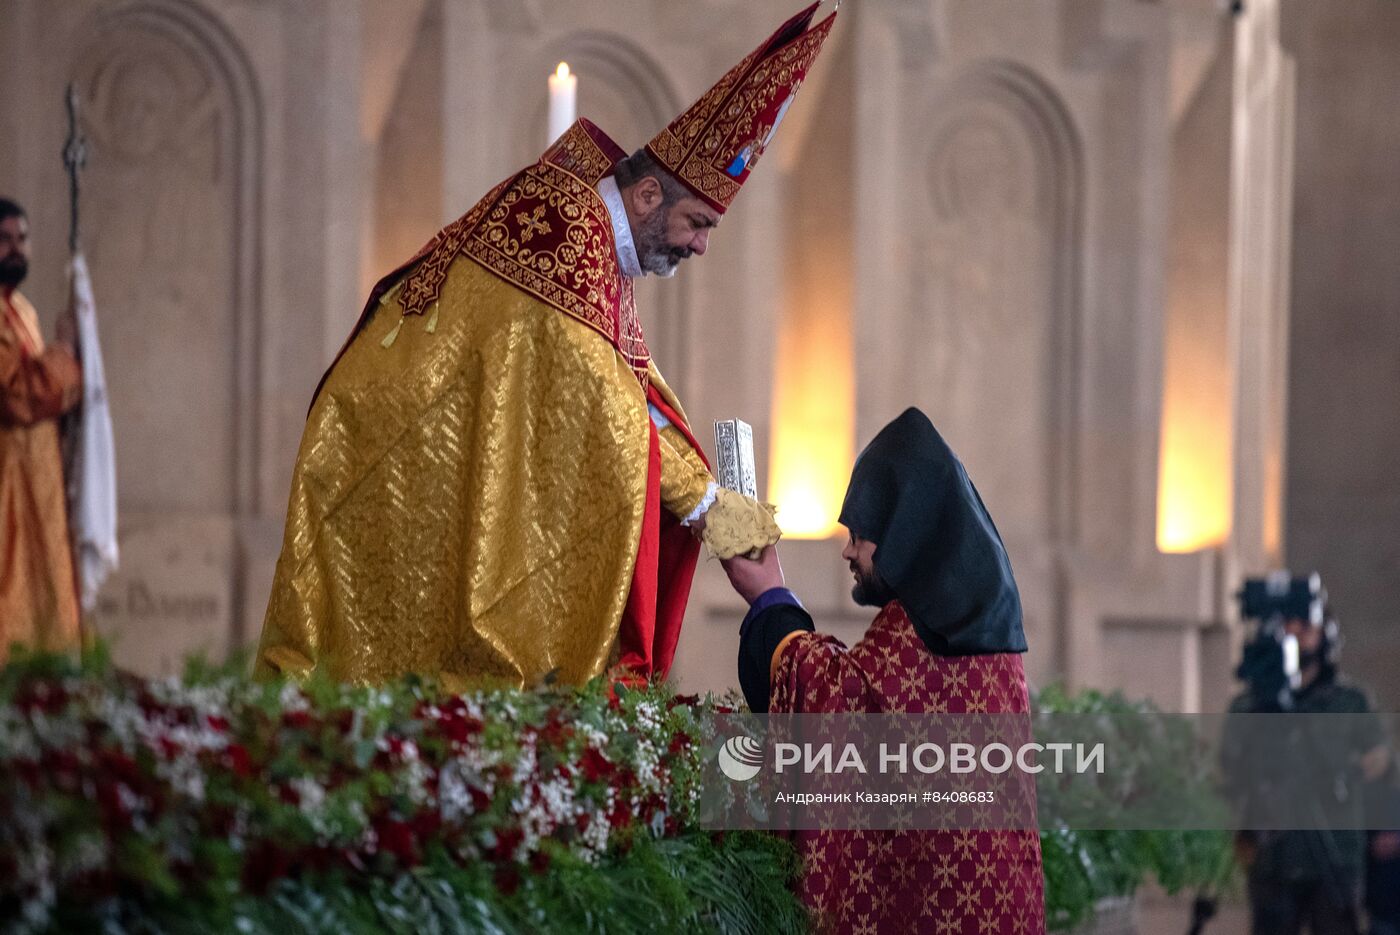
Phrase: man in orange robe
(495,482)
(38,384)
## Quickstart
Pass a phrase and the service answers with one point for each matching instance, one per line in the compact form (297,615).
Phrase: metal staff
(74,159)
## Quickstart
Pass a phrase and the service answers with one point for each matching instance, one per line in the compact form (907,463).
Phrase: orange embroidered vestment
(38,597)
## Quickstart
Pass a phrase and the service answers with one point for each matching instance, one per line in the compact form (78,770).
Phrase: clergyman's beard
(13,269)
(871,590)
(653,254)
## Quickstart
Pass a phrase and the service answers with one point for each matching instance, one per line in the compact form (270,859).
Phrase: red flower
(299,720)
(49,697)
(266,864)
(539,861)
(109,801)
(555,733)
(507,840)
(507,879)
(236,756)
(62,768)
(595,766)
(459,728)
(425,825)
(396,837)
(119,766)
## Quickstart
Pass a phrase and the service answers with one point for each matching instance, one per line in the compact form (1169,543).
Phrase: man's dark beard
(653,255)
(871,590)
(13,269)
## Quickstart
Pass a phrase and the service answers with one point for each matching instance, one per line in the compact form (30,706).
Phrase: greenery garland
(215,803)
(1085,867)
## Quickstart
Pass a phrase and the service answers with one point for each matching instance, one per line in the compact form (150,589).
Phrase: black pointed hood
(936,545)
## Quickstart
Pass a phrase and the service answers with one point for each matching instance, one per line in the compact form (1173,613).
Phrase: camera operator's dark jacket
(1260,765)
(1383,874)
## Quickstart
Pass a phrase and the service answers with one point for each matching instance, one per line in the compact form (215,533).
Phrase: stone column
(1343,487)
(1261,188)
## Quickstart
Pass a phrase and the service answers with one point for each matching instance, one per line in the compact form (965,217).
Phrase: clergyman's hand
(752,577)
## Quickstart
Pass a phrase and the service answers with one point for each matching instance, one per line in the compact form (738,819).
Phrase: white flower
(526,762)
(454,800)
(311,795)
(413,781)
(291,699)
(17,740)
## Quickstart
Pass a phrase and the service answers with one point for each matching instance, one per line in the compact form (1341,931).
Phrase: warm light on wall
(1195,482)
(1194,490)
(813,425)
(814,387)
(811,464)
(1193,506)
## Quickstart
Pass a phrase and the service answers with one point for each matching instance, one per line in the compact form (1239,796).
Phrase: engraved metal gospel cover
(734,463)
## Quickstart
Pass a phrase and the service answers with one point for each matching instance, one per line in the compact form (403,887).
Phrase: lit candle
(563,98)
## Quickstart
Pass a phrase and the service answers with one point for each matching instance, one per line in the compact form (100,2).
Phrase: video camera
(1270,664)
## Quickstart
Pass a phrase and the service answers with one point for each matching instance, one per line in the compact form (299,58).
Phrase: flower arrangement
(213,802)
(216,803)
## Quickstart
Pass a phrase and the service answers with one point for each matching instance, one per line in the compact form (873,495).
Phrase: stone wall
(1343,484)
(1007,212)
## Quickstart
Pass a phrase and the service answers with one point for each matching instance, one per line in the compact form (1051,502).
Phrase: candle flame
(562,71)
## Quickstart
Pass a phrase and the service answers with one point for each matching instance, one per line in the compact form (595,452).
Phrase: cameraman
(1311,877)
(1383,864)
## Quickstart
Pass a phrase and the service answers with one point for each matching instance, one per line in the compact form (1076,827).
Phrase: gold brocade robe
(469,495)
(38,591)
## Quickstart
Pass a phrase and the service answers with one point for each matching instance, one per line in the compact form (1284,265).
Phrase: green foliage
(1156,756)
(213,803)
(647,879)
(693,883)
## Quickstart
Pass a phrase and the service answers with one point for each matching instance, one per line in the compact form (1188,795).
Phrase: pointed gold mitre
(714,145)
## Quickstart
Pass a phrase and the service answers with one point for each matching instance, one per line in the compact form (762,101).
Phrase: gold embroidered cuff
(738,525)
(289,662)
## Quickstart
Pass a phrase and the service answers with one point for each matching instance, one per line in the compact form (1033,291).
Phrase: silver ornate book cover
(734,462)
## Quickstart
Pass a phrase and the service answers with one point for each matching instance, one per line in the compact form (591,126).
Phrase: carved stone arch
(206,122)
(1003,174)
(624,90)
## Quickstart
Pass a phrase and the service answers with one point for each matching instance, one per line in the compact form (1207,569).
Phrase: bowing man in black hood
(922,547)
(947,640)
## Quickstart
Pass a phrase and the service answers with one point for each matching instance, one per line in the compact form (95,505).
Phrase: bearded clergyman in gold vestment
(495,482)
